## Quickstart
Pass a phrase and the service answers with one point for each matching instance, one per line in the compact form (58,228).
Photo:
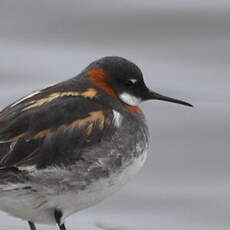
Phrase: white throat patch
(130,99)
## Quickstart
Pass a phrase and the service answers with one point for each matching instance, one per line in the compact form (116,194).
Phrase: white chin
(130,99)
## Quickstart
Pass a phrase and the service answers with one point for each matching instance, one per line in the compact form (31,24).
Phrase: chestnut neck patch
(100,78)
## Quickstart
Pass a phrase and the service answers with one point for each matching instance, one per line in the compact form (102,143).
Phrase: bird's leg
(32,225)
(58,216)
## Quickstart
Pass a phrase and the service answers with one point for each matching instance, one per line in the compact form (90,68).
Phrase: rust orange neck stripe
(134,108)
(100,78)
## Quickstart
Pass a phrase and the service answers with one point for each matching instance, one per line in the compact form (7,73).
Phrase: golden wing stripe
(89,93)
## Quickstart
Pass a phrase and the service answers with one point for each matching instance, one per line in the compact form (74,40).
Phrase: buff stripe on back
(89,93)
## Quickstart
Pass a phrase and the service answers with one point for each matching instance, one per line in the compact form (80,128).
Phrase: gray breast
(114,153)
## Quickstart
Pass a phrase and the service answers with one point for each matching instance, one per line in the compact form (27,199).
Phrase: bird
(69,146)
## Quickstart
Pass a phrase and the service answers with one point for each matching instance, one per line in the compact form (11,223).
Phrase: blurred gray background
(183,48)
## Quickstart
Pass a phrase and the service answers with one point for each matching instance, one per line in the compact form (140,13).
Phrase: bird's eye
(130,82)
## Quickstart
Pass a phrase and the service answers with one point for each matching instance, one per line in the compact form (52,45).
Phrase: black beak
(156,96)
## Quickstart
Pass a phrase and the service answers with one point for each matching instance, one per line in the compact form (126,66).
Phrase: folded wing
(52,127)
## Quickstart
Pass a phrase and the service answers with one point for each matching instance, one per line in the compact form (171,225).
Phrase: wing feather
(51,128)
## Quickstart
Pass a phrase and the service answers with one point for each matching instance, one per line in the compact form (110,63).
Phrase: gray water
(183,49)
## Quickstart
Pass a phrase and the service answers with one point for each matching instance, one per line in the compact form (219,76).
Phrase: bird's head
(124,80)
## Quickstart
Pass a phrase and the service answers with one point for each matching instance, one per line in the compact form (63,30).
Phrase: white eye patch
(130,99)
(133,80)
